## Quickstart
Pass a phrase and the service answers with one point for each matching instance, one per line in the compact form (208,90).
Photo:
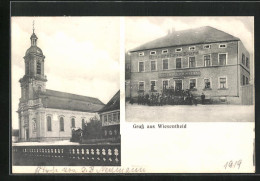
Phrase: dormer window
(164,51)
(192,48)
(206,46)
(178,49)
(152,52)
(141,54)
(223,46)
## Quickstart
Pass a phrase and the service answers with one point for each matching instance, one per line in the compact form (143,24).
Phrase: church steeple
(34,79)
(33,37)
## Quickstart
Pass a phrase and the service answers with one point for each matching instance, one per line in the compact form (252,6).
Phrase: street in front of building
(187,113)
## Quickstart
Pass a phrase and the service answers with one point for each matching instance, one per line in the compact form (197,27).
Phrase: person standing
(202,98)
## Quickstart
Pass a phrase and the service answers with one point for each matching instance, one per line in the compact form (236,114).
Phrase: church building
(48,115)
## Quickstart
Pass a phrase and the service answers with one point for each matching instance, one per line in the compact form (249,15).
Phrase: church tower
(34,79)
(32,84)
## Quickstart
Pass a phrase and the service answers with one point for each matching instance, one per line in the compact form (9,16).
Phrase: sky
(81,55)
(140,30)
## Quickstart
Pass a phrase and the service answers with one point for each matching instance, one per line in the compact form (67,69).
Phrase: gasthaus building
(204,60)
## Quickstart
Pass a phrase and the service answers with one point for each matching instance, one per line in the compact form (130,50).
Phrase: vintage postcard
(132,95)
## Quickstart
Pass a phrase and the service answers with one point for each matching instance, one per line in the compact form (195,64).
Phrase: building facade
(110,117)
(203,60)
(127,75)
(47,115)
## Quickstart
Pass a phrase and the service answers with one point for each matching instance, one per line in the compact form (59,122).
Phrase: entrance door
(178,85)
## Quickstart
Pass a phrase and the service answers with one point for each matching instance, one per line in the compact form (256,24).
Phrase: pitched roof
(67,101)
(113,104)
(205,34)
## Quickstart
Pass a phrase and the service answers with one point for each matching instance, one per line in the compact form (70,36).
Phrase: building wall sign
(181,54)
(179,74)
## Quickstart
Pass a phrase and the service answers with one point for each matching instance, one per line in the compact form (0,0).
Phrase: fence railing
(67,155)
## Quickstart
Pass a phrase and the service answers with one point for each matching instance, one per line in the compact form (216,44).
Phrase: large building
(46,115)
(204,60)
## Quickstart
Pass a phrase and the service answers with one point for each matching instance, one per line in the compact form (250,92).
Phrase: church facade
(48,115)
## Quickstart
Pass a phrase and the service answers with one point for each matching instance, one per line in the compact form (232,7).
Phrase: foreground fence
(67,155)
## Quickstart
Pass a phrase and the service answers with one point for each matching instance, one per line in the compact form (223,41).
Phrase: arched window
(49,123)
(72,122)
(61,124)
(38,67)
(83,124)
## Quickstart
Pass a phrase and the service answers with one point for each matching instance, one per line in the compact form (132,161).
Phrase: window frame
(155,89)
(83,119)
(71,121)
(194,60)
(176,49)
(174,83)
(243,59)
(204,46)
(167,63)
(105,118)
(219,82)
(222,44)
(210,61)
(155,65)
(152,52)
(226,58)
(34,125)
(247,62)
(141,54)
(63,124)
(165,52)
(139,66)
(49,116)
(176,62)
(195,82)
(192,47)
(209,82)
(168,80)
(38,67)
(139,85)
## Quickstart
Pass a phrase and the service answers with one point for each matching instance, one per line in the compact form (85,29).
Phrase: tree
(93,128)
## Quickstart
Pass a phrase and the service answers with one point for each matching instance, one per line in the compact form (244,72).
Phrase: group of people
(167,97)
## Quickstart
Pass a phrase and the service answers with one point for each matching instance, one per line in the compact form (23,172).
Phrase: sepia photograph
(198,69)
(65,91)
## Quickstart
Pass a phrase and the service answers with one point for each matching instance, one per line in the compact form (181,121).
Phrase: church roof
(113,104)
(67,101)
(34,50)
(205,34)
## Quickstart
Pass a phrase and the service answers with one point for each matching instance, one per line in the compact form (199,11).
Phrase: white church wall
(67,115)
